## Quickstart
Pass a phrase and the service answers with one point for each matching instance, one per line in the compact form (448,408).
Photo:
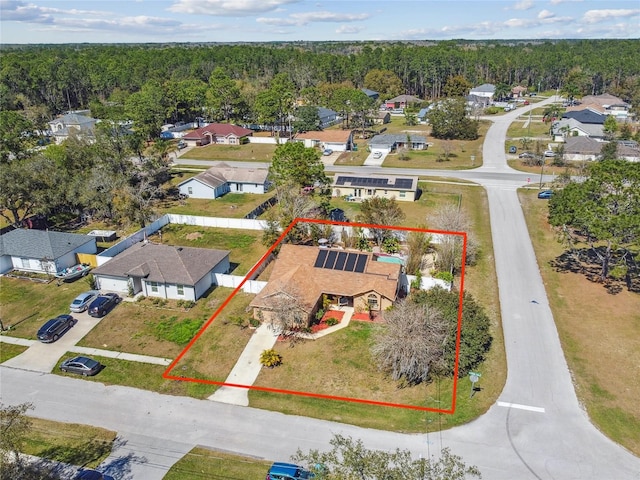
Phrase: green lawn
(8,350)
(250,152)
(201,463)
(76,444)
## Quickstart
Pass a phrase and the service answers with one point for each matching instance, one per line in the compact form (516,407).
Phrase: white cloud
(556,2)
(523,5)
(228,8)
(545,14)
(348,29)
(314,17)
(594,16)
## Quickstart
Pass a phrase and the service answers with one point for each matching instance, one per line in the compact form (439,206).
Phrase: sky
(162,21)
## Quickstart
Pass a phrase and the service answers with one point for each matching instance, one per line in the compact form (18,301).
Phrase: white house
(223,178)
(72,124)
(42,251)
(165,271)
(486,90)
(336,140)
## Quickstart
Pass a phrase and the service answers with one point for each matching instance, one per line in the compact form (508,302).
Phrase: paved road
(537,429)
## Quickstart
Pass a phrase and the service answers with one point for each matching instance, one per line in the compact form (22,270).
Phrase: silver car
(82,301)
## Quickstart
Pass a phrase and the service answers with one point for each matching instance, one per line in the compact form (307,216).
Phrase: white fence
(269,140)
(125,243)
(217,222)
(232,281)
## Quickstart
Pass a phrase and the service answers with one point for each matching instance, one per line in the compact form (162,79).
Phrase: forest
(69,77)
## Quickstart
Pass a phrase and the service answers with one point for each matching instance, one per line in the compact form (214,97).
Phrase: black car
(103,303)
(51,331)
(84,366)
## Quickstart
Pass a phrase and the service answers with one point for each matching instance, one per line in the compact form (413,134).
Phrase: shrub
(492,110)
(176,331)
(332,321)
(141,298)
(187,304)
(446,276)
(254,322)
(270,358)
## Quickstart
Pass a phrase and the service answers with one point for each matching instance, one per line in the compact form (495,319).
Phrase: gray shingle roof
(163,263)
(41,244)
(389,139)
(223,173)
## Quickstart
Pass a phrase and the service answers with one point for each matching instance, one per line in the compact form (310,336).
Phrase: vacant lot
(250,152)
(600,335)
(201,463)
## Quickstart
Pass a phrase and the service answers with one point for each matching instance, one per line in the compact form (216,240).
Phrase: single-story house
(402,188)
(223,178)
(388,142)
(518,91)
(336,140)
(612,105)
(165,271)
(586,116)
(486,90)
(217,133)
(327,117)
(570,127)
(304,274)
(73,123)
(582,148)
(478,101)
(422,115)
(372,94)
(401,101)
(42,251)
(381,118)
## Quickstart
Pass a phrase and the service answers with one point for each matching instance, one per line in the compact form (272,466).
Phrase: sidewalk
(248,366)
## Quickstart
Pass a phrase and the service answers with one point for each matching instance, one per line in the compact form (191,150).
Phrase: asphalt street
(536,430)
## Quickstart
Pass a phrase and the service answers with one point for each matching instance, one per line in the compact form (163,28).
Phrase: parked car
(89,474)
(54,328)
(287,471)
(377,154)
(182,145)
(103,304)
(82,301)
(513,149)
(526,155)
(545,194)
(549,153)
(84,366)
(327,152)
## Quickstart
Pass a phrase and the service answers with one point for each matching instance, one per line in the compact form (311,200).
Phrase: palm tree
(552,111)
(502,91)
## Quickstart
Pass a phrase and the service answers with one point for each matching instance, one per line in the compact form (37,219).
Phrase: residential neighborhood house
(73,123)
(518,91)
(42,251)
(389,142)
(356,188)
(486,91)
(217,133)
(605,103)
(401,102)
(302,275)
(569,127)
(336,140)
(586,116)
(164,271)
(223,178)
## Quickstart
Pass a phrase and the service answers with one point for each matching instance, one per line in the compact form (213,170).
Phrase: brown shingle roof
(294,272)
(325,135)
(219,130)
(163,263)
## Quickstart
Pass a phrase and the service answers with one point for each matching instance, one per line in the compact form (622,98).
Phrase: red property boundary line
(451,410)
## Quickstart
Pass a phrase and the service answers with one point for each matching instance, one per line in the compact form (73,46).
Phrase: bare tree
(411,342)
(450,218)
(286,312)
(418,244)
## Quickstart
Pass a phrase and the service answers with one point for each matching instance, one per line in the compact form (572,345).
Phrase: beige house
(218,133)
(336,140)
(355,188)
(304,274)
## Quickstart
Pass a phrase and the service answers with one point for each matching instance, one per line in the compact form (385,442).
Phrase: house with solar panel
(358,188)
(303,275)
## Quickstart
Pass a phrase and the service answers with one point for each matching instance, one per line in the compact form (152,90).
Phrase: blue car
(54,328)
(288,471)
(545,194)
(103,304)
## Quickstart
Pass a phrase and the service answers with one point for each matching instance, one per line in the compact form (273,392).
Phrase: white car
(377,154)
(549,153)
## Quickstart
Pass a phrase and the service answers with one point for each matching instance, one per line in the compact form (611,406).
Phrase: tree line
(68,77)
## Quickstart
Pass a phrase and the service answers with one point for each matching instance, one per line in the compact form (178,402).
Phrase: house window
(154,287)
(190,190)
(180,289)
(372,300)
(403,194)
(370,191)
(238,187)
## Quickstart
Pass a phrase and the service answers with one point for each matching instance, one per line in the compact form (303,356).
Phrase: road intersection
(536,430)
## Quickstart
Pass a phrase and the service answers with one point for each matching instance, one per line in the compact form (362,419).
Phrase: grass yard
(245,245)
(139,375)
(26,305)
(249,152)
(8,350)
(201,463)
(521,127)
(81,445)
(215,353)
(600,335)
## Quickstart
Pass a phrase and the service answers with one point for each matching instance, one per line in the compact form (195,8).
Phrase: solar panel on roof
(331,259)
(322,255)
(342,258)
(351,262)
(360,263)
(403,183)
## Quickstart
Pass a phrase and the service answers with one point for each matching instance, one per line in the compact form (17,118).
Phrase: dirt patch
(194,236)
